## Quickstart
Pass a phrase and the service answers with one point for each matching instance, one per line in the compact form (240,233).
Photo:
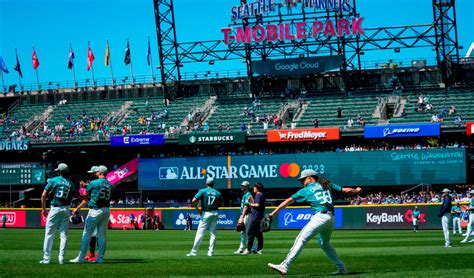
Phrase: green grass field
(163,253)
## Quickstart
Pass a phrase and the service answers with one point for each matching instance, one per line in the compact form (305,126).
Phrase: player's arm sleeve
(90,186)
(49,186)
(336,187)
(198,195)
(299,196)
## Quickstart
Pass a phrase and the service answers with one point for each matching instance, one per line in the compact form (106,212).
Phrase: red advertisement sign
(305,134)
(120,219)
(470,128)
(15,219)
(123,172)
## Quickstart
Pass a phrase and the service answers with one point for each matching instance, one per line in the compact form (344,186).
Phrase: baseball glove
(75,219)
(266,224)
(240,227)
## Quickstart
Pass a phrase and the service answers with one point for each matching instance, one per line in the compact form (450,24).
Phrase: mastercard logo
(289,170)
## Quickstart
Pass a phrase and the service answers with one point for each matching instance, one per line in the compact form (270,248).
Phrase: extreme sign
(286,32)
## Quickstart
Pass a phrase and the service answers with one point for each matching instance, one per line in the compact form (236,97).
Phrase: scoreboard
(21,173)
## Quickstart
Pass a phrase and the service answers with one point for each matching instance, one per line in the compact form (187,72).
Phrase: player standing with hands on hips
(98,192)
(471,219)
(416,216)
(318,193)
(60,189)
(211,200)
(445,214)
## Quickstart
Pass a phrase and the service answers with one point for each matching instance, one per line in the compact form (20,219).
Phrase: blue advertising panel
(227,219)
(297,218)
(402,130)
(137,140)
(374,168)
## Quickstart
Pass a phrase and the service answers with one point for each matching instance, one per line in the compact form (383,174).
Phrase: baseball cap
(307,173)
(472,192)
(446,190)
(62,167)
(103,169)
(210,180)
(245,184)
(94,169)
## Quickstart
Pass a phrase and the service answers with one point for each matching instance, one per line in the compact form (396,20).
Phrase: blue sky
(50,25)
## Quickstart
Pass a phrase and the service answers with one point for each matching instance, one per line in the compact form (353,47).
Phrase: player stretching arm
(317,192)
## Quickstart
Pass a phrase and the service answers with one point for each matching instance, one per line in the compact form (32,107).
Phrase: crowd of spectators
(438,114)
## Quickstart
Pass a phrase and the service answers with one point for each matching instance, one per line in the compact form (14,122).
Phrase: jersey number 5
(105,192)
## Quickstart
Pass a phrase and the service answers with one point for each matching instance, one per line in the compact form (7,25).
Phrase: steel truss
(439,35)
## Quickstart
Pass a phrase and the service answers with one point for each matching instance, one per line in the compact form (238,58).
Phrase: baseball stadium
(237,138)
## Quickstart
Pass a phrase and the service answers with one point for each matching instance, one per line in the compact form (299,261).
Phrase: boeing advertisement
(402,130)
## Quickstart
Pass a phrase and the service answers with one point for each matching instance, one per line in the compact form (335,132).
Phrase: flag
(71,57)
(148,54)
(127,60)
(17,66)
(107,55)
(35,60)
(3,66)
(90,58)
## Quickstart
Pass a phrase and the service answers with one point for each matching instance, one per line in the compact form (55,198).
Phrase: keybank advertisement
(393,217)
(226,219)
(402,167)
(298,218)
(402,130)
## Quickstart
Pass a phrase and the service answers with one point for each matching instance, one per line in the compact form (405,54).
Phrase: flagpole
(36,72)
(151,63)
(19,76)
(3,83)
(131,68)
(73,71)
(110,64)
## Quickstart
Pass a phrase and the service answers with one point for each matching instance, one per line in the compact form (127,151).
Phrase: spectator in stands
(350,123)
(293,125)
(339,112)
(429,107)
(458,120)
(316,122)
(452,110)
(265,125)
(434,118)
(220,127)
(242,127)
(205,127)
(403,114)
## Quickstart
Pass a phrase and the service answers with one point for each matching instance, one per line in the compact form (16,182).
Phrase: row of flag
(90,59)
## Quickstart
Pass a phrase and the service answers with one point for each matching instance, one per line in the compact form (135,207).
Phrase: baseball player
(98,192)
(416,216)
(244,216)
(4,220)
(456,213)
(318,193)
(210,200)
(471,219)
(60,189)
(445,215)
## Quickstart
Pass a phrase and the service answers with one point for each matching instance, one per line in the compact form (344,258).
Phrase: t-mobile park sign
(294,31)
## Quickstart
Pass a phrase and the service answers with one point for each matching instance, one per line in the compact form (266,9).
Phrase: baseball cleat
(44,262)
(343,271)
(246,252)
(278,268)
(190,255)
(76,261)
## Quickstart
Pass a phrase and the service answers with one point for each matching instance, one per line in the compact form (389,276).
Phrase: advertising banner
(402,130)
(227,219)
(374,168)
(137,140)
(470,128)
(297,218)
(123,172)
(297,66)
(15,218)
(392,217)
(14,145)
(213,138)
(304,134)
(120,219)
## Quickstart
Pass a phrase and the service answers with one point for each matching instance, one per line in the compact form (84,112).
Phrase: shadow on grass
(125,261)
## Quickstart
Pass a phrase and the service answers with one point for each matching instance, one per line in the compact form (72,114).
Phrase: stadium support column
(167,47)
(446,38)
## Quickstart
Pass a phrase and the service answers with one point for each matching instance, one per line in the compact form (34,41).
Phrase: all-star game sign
(284,31)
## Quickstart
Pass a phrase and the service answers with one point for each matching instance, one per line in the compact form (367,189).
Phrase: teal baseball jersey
(244,202)
(99,191)
(318,197)
(61,190)
(416,214)
(210,198)
(456,211)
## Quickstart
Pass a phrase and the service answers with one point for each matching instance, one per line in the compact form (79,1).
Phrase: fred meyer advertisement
(305,134)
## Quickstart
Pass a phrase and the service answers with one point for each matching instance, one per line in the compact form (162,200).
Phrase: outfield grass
(163,253)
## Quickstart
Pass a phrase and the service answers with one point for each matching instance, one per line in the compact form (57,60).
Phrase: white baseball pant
(445,219)
(415,221)
(469,226)
(244,235)
(322,224)
(457,224)
(208,221)
(58,217)
(96,219)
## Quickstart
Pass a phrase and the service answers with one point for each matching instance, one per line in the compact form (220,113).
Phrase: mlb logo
(168,173)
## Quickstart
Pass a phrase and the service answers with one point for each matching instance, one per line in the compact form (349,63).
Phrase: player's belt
(326,212)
